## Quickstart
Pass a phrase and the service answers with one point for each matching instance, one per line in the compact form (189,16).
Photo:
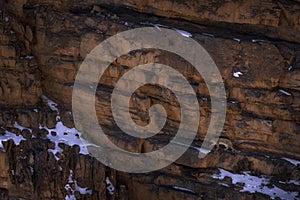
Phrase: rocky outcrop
(20,78)
(275,19)
(41,164)
(261,107)
(255,45)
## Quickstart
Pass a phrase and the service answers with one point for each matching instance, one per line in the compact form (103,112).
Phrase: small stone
(53,133)
(43,133)
(2,131)
(28,34)
(26,134)
(96,9)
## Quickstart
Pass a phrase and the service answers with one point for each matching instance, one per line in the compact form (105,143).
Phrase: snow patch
(183,32)
(29,57)
(70,197)
(234,102)
(207,34)
(50,103)
(8,136)
(237,40)
(79,189)
(254,184)
(285,92)
(64,134)
(237,74)
(258,40)
(18,126)
(183,189)
(158,26)
(69,136)
(291,182)
(31,170)
(199,149)
(293,161)
(225,185)
(110,187)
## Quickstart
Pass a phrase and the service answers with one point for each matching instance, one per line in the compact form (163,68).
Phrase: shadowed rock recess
(255,45)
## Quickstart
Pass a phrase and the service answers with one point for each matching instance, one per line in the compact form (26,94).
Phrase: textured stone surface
(256,99)
(30,170)
(44,42)
(271,18)
(20,82)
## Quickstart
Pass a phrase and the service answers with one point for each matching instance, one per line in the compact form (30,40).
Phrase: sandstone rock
(7,51)
(43,44)
(20,79)
(4,177)
(277,19)
(253,59)
(26,134)
(13,88)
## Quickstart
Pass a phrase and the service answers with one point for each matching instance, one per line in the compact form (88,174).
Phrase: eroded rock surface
(255,45)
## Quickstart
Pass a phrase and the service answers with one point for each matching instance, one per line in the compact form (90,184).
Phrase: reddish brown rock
(272,18)
(19,77)
(263,98)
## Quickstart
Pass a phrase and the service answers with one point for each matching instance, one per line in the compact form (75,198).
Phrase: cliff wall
(255,45)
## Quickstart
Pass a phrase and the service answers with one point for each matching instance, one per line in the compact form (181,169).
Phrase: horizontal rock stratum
(255,45)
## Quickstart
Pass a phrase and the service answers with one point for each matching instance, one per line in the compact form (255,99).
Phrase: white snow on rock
(77,188)
(50,103)
(237,39)
(207,34)
(201,150)
(183,189)
(254,184)
(69,136)
(258,40)
(18,126)
(291,182)
(29,57)
(293,161)
(183,32)
(64,134)
(158,26)
(109,186)
(70,197)
(237,74)
(8,136)
(285,92)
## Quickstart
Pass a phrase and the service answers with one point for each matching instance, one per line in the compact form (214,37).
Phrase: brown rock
(243,15)
(263,102)
(26,134)
(7,51)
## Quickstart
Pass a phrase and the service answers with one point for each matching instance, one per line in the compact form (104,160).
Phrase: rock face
(273,19)
(20,77)
(255,45)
